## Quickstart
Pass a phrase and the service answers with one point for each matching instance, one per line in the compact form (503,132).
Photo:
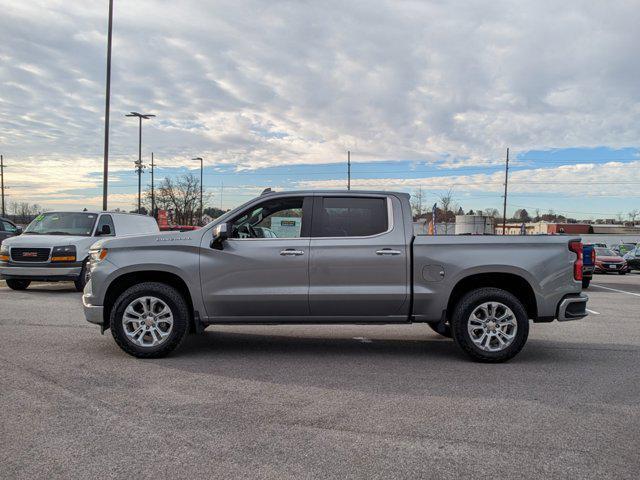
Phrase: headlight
(4,253)
(98,254)
(64,254)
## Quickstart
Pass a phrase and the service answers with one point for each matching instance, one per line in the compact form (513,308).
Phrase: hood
(46,241)
(162,239)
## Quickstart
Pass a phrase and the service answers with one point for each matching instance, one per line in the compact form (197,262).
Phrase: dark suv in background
(8,229)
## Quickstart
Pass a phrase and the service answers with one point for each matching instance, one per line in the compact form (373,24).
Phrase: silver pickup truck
(331,257)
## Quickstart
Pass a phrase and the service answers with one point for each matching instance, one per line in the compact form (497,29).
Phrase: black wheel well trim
(510,282)
(129,279)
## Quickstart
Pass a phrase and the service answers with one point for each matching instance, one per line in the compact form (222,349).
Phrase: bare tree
(446,201)
(417,204)
(181,197)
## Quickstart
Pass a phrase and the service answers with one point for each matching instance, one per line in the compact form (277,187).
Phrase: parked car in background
(623,248)
(55,245)
(8,229)
(633,259)
(607,261)
(338,258)
(588,264)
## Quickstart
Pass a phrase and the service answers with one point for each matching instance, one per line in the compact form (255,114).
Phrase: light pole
(139,165)
(153,196)
(105,167)
(201,172)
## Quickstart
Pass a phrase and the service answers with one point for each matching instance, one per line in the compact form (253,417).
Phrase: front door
(262,272)
(359,260)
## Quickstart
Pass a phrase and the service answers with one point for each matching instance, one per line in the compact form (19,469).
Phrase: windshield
(605,252)
(62,223)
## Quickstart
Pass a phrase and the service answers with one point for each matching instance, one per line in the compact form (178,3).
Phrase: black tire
(441,328)
(174,300)
(82,279)
(466,306)
(17,284)
(586,282)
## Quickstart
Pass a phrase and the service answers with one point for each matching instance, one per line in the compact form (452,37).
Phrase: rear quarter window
(349,216)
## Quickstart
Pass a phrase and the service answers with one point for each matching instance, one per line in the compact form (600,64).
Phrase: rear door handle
(290,252)
(388,251)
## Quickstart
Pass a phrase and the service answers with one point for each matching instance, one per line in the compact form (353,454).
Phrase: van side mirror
(105,230)
(220,234)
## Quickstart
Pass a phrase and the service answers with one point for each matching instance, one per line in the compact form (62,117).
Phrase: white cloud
(253,83)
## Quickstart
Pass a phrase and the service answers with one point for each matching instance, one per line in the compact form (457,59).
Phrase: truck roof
(345,192)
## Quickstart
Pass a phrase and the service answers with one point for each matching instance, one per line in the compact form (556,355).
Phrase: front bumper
(93,313)
(572,307)
(39,273)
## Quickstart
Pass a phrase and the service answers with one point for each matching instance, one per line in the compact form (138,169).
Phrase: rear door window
(349,216)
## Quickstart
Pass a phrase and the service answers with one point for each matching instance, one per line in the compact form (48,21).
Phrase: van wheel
(442,328)
(149,320)
(81,281)
(490,325)
(16,284)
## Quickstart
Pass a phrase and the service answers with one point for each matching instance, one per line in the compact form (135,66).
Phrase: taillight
(576,247)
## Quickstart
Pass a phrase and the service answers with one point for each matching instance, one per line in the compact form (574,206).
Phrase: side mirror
(105,230)
(220,234)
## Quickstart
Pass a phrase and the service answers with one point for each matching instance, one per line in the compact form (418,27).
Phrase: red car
(609,261)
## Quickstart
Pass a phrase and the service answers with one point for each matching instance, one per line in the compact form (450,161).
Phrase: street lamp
(139,165)
(105,161)
(201,170)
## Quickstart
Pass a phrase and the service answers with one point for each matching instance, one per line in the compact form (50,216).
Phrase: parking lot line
(616,290)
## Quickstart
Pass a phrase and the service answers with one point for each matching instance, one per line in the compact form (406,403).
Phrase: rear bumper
(572,307)
(39,273)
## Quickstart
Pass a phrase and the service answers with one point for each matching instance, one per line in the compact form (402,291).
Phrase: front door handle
(388,251)
(291,252)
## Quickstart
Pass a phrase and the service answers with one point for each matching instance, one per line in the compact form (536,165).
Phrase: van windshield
(62,223)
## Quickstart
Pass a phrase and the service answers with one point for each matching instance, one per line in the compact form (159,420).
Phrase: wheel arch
(126,280)
(510,282)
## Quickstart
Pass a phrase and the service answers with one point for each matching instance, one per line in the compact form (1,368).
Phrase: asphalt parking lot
(318,402)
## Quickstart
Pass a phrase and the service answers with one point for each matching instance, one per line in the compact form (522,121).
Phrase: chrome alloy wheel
(147,321)
(492,326)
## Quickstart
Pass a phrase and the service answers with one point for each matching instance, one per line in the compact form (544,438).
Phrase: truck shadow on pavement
(406,366)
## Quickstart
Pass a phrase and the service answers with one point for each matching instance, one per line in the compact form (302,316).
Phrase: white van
(55,245)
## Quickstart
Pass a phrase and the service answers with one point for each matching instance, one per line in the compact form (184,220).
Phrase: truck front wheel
(149,320)
(490,324)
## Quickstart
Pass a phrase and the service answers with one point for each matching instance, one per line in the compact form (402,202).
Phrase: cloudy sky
(273,93)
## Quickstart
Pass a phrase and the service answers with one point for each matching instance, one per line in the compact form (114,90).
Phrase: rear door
(358,265)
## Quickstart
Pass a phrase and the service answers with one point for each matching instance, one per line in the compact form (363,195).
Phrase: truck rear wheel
(149,320)
(18,284)
(490,325)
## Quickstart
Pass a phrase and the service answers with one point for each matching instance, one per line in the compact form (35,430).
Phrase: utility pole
(506,183)
(348,170)
(201,174)
(105,171)
(139,165)
(2,182)
(153,198)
